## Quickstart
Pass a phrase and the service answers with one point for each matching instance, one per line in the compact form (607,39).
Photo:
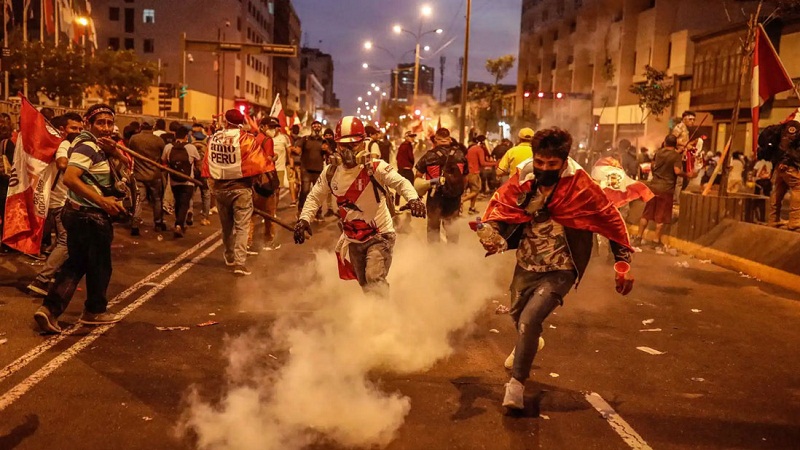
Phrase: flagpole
(5,44)
(25,6)
(745,67)
(41,21)
(56,19)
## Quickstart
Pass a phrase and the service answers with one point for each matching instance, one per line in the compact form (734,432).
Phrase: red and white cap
(349,129)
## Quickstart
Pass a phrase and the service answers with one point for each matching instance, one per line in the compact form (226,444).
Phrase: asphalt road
(727,376)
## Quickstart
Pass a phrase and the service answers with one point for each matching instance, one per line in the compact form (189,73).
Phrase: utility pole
(464,78)
(442,60)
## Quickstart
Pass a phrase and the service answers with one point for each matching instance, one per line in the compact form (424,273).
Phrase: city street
(726,372)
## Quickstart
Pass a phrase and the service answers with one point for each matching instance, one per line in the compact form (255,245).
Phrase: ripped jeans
(534,295)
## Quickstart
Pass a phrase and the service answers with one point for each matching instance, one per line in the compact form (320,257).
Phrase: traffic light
(526,94)
(243,106)
(559,95)
(183,91)
(564,95)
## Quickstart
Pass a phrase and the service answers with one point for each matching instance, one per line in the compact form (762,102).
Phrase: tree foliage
(655,96)
(500,67)
(67,71)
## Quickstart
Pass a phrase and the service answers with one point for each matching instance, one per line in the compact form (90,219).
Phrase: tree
(500,67)
(655,96)
(122,76)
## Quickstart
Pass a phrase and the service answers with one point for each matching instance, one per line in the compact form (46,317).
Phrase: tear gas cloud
(325,383)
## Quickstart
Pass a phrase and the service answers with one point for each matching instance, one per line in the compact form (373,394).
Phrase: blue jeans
(60,253)
(534,295)
(235,210)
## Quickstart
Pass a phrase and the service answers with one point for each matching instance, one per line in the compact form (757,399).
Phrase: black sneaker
(104,318)
(38,287)
(178,233)
(189,218)
(47,323)
(161,226)
(228,263)
(241,271)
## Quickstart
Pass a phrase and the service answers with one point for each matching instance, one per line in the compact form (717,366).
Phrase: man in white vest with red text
(233,161)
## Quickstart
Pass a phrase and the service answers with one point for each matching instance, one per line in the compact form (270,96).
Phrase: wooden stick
(273,219)
(718,169)
(159,165)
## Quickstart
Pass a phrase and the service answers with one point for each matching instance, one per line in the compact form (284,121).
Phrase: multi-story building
(598,49)
(153,29)
(286,71)
(316,78)
(403,76)
(321,64)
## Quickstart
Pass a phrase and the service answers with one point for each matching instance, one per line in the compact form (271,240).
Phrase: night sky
(342,26)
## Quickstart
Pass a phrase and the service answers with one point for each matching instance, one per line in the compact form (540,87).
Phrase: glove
(417,208)
(623,277)
(300,229)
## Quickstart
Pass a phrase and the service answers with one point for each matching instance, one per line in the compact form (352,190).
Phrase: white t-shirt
(194,156)
(763,164)
(365,217)
(58,195)
(281,146)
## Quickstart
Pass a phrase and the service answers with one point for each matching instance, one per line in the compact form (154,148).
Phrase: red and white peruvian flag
(769,77)
(277,111)
(617,185)
(31,181)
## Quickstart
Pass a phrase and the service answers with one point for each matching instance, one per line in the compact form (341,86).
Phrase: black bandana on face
(547,178)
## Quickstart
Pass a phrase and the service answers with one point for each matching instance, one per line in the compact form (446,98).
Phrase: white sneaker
(270,246)
(509,363)
(514,398)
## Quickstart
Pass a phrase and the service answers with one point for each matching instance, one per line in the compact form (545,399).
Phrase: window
(113,14)
(149,16)
(149,45)
(113,43)
(685,85)
(271,7)
(634,63)
(129,20)
(669,55)
(237,82)
(129,45)
(573,26)
(238,24)
(555,35)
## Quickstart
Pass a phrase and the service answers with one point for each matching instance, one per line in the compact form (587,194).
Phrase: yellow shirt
(514,156)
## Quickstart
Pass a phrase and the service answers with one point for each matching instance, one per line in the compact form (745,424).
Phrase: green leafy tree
(122,76)
(655,96)
(489,98)
(500,67)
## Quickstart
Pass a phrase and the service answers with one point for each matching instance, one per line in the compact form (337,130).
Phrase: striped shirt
(90,159)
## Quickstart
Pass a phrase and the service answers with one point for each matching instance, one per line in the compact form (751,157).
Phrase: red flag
(31,180)
(277,111)
(49,17)
(769,77)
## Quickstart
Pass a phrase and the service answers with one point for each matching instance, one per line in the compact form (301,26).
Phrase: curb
(759,271)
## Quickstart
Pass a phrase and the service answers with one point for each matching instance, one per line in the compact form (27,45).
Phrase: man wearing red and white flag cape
(31,180)
(548,211)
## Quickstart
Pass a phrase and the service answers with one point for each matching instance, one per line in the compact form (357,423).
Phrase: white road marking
(19,390)
(618,424)
(25,359)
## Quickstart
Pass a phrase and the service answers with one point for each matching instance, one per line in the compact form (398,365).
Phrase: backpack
(454,182)
(179,159)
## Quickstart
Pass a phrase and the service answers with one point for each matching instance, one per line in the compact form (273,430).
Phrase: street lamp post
(426,12)
(463,121)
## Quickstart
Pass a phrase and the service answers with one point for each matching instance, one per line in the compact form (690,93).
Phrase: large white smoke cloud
(325,382)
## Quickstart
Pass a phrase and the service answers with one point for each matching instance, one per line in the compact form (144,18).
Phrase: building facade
(592,51)
(403,77)
(286,71)
(153,29)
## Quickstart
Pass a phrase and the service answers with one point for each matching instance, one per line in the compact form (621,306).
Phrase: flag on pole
(8,14)
(31,180)
(295,119)
(49,17)
(769,77)
(277,111)
(66,18)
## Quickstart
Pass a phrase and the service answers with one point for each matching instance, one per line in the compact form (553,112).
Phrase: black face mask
(71,136)
(547,178)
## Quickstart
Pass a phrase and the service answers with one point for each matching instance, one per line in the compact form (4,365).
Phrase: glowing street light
(365,65)
(377,88)
(427,48)
(439,31)
(82,21)
(426,10)
(368,45)
(369,92)
(397,29)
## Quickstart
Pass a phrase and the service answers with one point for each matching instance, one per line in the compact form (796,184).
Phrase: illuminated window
(149,16)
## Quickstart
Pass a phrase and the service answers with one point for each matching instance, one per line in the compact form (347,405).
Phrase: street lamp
(425,11)
(365,65)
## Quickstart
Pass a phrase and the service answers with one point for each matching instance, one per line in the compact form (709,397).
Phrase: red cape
(578,202)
